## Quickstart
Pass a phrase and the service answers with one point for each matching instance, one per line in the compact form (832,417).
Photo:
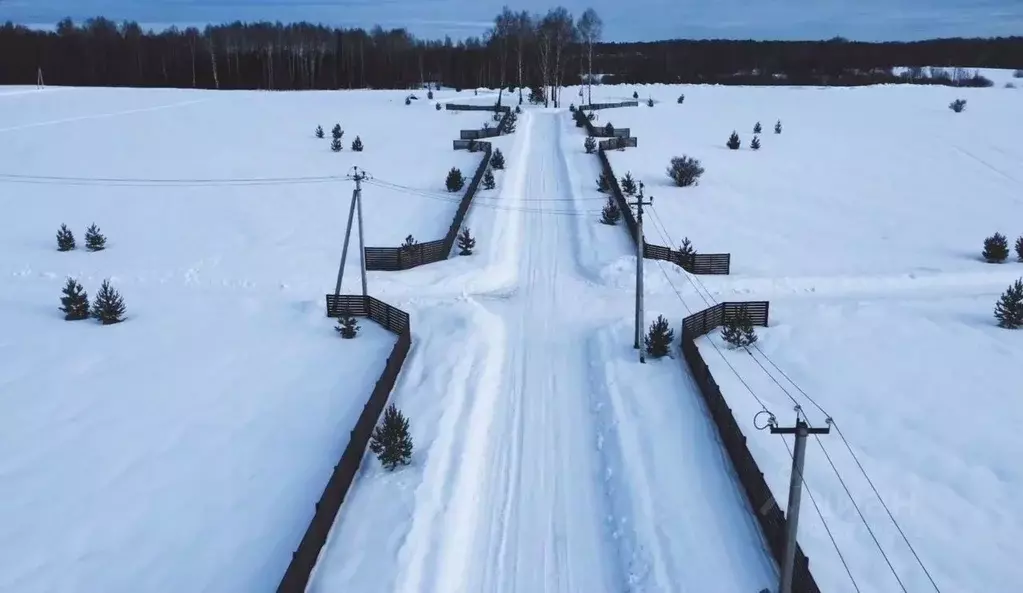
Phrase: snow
(862,224)
(202,430)
(185,448)
(549,495)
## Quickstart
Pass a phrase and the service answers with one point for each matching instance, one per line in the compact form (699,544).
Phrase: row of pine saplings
(336,133)
(1009,308)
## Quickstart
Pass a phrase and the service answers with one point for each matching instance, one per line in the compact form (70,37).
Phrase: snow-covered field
(547,458)
(862,223)
(183,450)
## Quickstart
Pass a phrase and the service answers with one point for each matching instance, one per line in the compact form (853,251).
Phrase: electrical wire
(477,203)
(831,536)
(156,182)
(830,420)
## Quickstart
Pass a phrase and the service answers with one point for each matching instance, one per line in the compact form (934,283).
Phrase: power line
(165,182)
(845,441)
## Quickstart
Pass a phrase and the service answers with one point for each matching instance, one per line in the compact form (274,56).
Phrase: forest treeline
(521,49)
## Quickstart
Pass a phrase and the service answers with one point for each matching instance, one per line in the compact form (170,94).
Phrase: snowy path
(571,468)
(546,529)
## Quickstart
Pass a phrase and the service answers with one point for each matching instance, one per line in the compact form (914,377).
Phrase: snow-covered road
(569,475)
(547,527)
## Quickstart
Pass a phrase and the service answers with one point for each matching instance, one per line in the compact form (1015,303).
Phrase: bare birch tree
(590,30)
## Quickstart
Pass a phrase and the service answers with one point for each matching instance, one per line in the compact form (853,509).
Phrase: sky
(630,20)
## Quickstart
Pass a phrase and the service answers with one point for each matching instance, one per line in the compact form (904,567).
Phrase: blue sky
(628,20)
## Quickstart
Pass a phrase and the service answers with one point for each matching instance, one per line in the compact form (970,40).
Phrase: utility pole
(357,176)
(801,430)
(639,270)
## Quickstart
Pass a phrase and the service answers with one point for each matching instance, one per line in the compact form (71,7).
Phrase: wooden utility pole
(801,430)
(356,176)
(639,271)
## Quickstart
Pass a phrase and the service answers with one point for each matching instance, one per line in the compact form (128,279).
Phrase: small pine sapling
(733,141)
(1019,249)
(659,338)
(497,159)
(466,242)
(609,130)
(319,132)
(391,440)
(685,171)
(603,183)
(628,185)
(509,125)
(590,145)
(455,181)
(335,145)
(65,239)
(75,302)
(757,129)
(488,180)
(649,102)
(108,306)
(94,240)
(438,107)
(996,249)
(337,132)
(408,100)
(357,144)
(635,94)
(681,99)
(777,127)
(958,105)
(738,330)
(686,252)
(347,326)
(755,143)
(518,108)
(611,213)
(1009,308)
(429,95)
(409,244)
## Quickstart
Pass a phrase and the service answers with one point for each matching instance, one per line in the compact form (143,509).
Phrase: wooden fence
(700,263)
(303,559)
(618,143)
(595,106)
(762,502)
(403,258)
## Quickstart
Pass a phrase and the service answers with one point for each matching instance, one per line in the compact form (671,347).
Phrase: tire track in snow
(399,531)
(102,115)
(544,487)
(435,553)
(690,526)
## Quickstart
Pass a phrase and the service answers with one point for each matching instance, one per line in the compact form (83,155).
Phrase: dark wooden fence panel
(595,106)
(618,143)
(394,319)
(762,502)
(480,133)
(453,107)
(303,560)
(700,263)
